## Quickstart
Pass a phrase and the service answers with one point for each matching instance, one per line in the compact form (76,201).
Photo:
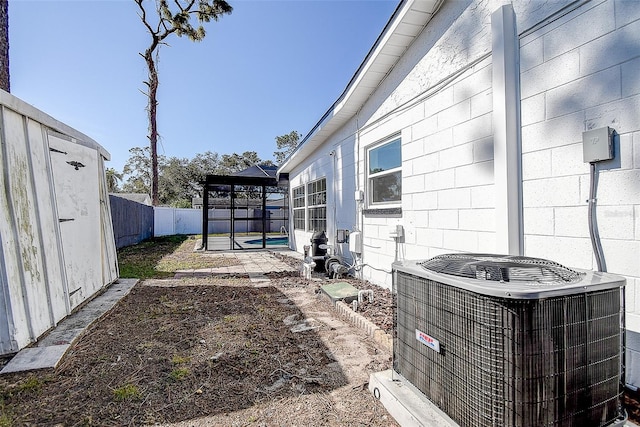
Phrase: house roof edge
(416,14)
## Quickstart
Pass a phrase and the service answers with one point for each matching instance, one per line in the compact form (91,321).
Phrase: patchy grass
(179,374)
(31,385)
(6,417)
(126,392)
(177,360)
(141,260)
(161,257)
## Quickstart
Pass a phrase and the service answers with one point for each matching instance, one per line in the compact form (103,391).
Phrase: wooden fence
(132,221)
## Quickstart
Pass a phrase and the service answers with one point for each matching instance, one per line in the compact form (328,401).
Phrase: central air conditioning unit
(497,340)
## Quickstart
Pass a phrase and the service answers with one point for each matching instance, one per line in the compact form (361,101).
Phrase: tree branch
(184,9)
(143,17)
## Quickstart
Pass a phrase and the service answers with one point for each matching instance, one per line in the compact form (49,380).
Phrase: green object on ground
(340,291)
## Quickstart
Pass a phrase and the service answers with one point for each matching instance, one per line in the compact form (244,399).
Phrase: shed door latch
(57,151)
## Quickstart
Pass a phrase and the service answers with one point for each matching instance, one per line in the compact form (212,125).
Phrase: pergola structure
(247,181)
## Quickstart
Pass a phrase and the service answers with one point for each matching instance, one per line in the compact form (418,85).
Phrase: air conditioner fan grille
(503,268)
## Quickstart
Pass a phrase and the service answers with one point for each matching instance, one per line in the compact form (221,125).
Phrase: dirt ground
(210,352)
(216,351)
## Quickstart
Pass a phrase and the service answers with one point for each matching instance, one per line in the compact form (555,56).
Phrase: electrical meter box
(597,144)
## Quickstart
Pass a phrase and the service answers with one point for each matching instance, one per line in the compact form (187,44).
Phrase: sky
(267,69)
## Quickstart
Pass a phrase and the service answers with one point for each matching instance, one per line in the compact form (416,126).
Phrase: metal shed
(57,248)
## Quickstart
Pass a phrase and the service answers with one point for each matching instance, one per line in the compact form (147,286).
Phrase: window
(385,173)
(317,205)
(298,208)
(310,206)
(318,218)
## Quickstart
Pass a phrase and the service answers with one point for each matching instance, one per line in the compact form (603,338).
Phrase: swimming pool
(271,241)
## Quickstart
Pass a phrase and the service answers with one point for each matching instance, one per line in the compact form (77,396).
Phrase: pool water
(271,241)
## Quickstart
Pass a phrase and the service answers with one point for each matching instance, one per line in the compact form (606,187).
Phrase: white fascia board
(392,45)
(406,24)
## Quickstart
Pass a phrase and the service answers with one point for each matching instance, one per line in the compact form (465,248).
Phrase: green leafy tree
(138,171)
(203,164)
(113,178)
(180,179)
(181,203)
(232,163)
(286,144)
(170,18)
(176,183)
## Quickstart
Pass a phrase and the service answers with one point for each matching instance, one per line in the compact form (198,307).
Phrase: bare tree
(168,19)
(4,45)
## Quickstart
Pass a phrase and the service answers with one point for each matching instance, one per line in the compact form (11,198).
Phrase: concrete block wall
(457,135)
(340,173)
(583,90)
(439,98)
(582,72)
(447,168)
(578,63)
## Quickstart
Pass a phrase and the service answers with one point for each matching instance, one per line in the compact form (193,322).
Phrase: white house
(57,248)
(464,125)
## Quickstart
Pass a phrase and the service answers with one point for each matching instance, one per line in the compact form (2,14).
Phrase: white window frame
(302,208)
(316,202)
(371,176)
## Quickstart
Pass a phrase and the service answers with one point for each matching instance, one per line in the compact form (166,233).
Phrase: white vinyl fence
(169,221)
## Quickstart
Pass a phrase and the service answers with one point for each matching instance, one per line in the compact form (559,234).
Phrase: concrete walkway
(252,263)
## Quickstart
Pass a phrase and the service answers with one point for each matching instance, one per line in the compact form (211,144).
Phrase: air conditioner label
(427,340)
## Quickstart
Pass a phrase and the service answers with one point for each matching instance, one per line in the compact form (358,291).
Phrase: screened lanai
(247,210)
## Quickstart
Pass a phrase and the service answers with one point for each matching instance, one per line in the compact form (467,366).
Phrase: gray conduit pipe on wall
(593,221)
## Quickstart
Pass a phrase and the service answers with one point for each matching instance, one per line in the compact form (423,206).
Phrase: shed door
(75,180)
